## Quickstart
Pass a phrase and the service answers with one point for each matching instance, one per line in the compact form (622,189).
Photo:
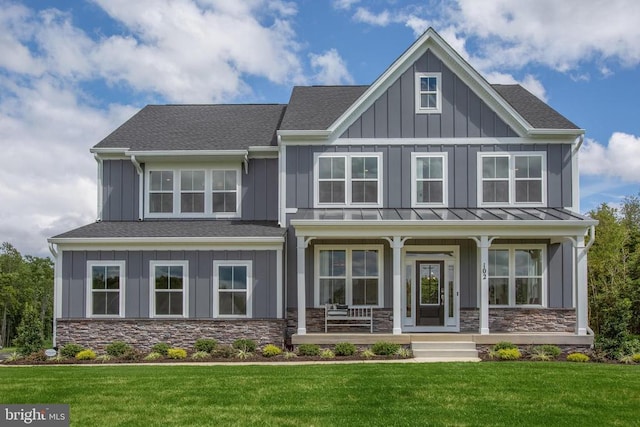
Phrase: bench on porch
(342,315)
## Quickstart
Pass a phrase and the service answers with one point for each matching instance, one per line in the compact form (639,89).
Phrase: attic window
(428,93)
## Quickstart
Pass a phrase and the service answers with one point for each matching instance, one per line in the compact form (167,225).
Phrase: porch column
(397,245)
(484,244)
(302,307)
(580,270)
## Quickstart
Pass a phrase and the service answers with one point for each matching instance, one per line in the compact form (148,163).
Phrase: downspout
(100,195)
(56,291)
(140,186)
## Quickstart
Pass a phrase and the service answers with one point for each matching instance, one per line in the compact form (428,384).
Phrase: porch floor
(519,338)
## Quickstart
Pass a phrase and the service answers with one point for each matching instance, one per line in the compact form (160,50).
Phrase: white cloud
(331,68)
(619,159)
(344,4)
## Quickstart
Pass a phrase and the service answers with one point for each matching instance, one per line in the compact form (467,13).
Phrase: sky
(72,71)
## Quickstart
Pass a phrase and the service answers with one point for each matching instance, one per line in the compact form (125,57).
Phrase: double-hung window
(232,285)
(428,172)
(168,286)
(105,288)
(517,275)
(516,179)
(346,275)
(348,179)
(428,93)
(193,192)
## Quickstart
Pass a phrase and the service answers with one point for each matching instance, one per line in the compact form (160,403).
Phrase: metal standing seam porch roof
(454,222)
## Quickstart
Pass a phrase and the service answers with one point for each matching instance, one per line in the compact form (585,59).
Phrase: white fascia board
(557,132)
(447,141)
(263,152)
(112,245)
(439,229)
(108,150)
(170,241)
(183,153)
(302,135)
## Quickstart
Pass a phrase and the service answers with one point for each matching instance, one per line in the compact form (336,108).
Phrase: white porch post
(484,244)
(581,286)
(302,310)
(397,245)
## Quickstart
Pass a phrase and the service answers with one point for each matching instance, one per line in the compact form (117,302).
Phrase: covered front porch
(427,269)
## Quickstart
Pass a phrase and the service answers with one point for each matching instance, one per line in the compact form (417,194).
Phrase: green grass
(506,393)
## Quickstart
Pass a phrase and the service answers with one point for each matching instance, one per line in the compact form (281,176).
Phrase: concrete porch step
(450,351)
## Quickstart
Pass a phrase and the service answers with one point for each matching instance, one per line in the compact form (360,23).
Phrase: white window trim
(208,191)
(512,274)
(348,271)
(348,180)
(419,108)
(89,288)
(414,179)
(216,288)
(512,179)
(185,288)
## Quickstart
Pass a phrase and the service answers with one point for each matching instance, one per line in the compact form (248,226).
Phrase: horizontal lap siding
(201,298)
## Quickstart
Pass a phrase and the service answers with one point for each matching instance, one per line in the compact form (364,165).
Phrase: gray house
(428,202)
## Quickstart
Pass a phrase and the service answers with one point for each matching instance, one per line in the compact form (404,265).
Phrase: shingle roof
(533,110)
(198,127)
(317,107)
(175,228)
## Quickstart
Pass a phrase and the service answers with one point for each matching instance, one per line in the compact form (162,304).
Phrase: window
(428,93)
(168,287)
(511,179)
(193,193)
(344,180)
(232,284)
(428,179)
(105,289)
(350,276)
(516,275)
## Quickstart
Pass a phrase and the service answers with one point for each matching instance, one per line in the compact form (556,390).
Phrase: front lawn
(507,393)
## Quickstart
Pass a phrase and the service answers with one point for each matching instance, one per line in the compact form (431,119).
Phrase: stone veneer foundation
(142,334)
(521,320)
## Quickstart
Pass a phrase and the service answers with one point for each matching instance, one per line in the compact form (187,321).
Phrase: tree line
(26,294)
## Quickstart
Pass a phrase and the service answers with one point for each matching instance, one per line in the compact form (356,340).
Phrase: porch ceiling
(441,222)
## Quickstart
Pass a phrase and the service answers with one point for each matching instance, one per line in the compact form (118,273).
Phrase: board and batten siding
(463,114)
(201,298)
(259,197)
(462,179)
(559,269)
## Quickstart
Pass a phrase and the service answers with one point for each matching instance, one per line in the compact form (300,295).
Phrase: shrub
(177,353)
(368,354)
(577,357)
(344,349)
(545,352)
(636,357)
(131,355)
(405,353)
(308,350)
(627,359)
(243,354)
(70,350)
(509,354)
(224,351)
(154,355)
(86,355)
(161,347)
(271,350)
(38,356)
(201,355)
(13,357)
(289,355)
(504,345)
(30,332)
(245,345)
(206,345)
(383,348)
(117,348)
(103,358)
(327,354)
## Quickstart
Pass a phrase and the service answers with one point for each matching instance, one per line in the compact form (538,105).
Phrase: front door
(430,298)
